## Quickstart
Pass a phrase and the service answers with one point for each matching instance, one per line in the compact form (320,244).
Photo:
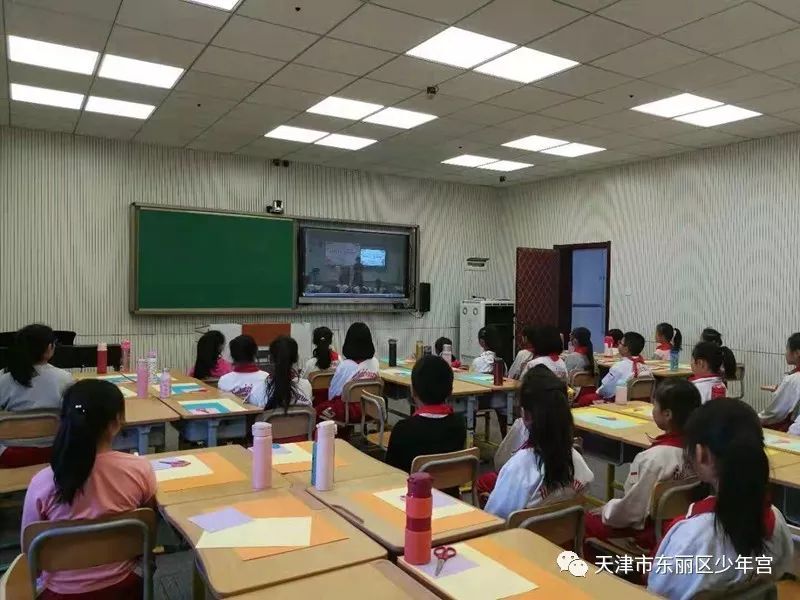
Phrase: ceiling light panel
(460,48)
(676,105)
(718,116)
(139,71)
(119,108)
(344,108)
(535,143)
(469,160)
(506,166)
(48,97)
(526,65)
(52,56)
(223,4)
(296,134)
(398,117)
(346,142)
(574,149)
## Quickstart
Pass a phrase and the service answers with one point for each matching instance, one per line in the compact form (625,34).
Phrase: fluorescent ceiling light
(223,4)
(37,95)
(120,108)
(469,160)
(344,108)
(717,116)
(505,166)
(399,117)
(573,149)
(676,105)
(52,56)
(526,65)
(347,142)
(296,134)
(460,48)
(535,143)
(139,71)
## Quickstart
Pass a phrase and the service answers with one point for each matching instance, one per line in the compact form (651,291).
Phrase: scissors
(443,554)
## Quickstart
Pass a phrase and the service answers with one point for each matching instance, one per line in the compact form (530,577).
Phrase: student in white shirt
(725,445)
(629,516)
(359,363)
(282,387)
(668,338)
(631,365)
(30,383)
(580,354)
(525,355)
(785,405)
(708,363)
(547,468)
(245,375)
(324,357)
(489,340)
(547,348)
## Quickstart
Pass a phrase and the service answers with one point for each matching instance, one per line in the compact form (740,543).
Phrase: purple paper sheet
(220,519)
(441,499)
(159,466)
(455,565)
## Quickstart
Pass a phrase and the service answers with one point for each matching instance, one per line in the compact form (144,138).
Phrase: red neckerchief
(334,356)
(668,439)
(709,505)
(581,350)
(664,346)
(615,344)
(796,370)
(636,360)
(554,357)
(433,409)
(245,368)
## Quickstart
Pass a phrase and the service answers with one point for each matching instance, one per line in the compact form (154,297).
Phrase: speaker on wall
(424,298)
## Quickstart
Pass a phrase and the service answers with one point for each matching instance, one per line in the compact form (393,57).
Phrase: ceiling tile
(582,80)
(3,112)
(313,153)
(222,61)
(167,133)
(790,71)
(253,117)
(102,10)
(35,116)
(107,126)
(264,39)
(414,72)
(70,30)
(474,141)
(767,54)
(193,108)
(380,27)
(704,137)
(750,86)
(654,148)
(142,45)
(215,142)
(788,8)
(702,73)
(632,93)
(731,28)
(578,110)
(446,11)
(614,140)
(578,132)
(376,91)
(272,95)
(790,115)
(309,79)
(589,38)
(270,148)
(647,58)
(530,99)
(775,103)
(345,57)
(319,122)
(590,5)
(759,127)
(441,104)
(369,130)
(476,86)
(486,114)
(123,90)
(520,21)
(658,17)
(175,18)
(534,124)
(215,86)
(662,129)
(623,120)
(316,16)
(437,131)
(47,78)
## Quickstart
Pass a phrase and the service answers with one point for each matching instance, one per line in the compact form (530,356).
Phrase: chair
(320,382)
(15,584)
(451,469)
(641,388)
(582,379)
(351,394)
(374,407)
(65,338)
(740,378)
(754,589)
(560,523)
(296,422)
(28,425)
(50,545)
(211,381)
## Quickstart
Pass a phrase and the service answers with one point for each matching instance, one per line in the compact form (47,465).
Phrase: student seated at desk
(581,358)
(86,479)
(489,340)
(631,365)
(725,445)
(629,516)
(438,347)
(785,405)
(208,362)
(282,387)
(433,429)
(668,338)
(246,374)
(709,334)
(616,337)
(30,383)
(708,362)
(546,468)
(547,348)
(324,357)
(525,355)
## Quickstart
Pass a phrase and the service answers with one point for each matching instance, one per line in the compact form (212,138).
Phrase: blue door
(589,277)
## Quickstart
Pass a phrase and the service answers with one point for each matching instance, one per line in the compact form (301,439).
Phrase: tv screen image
(373,257)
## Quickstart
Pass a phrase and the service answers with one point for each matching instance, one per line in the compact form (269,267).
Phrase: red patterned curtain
(537,288)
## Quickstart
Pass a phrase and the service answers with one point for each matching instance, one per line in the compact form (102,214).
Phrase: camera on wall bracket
(276,208)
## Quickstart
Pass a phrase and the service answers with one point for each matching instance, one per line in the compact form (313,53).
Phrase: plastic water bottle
(621,395)
(447,354)
(674,359)
(152,370)
(125,361)
(142,377)
(102,358)
(165,385)
(262,456)
(322,457)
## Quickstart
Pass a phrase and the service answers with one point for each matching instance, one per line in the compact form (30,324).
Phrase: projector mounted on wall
(475,263)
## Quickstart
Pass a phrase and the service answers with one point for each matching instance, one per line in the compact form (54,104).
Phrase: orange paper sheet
(551,587)
(302,467)
(397,517)
(223,472)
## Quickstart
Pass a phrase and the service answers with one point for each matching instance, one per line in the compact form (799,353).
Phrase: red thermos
(102,358)
(419,508)
(499,370)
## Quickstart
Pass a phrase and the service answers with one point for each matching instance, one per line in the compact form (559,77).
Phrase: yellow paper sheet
(290,453)
(260,533)
(222,472)
(396,498)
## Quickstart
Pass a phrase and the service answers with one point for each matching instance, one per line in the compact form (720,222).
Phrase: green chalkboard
(195,261)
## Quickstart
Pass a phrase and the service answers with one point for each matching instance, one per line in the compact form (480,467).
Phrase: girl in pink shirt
(209,362)
(86,479)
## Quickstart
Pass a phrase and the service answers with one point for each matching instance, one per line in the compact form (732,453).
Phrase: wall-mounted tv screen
(348,264)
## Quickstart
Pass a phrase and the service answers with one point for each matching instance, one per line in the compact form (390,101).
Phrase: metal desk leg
(213,425)
(143,439)
(472,404)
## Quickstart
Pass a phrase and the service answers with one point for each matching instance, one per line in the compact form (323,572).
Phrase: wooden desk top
(238,456)
(359,465)
(227,574)
(460,388)
(639,435)
(19,478)
(388,534)
(143,411)
(379,579)
(788,475)
(634,408)
(660,368)
(211,393)
(537,550)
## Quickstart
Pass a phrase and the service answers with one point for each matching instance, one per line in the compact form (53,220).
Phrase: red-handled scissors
(443,554)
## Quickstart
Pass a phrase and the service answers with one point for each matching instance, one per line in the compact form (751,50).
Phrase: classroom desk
(348,499)
(18,479)
(226,574)
(659,368)
(635,408)
(534,558)
(359,465)
(238,456)
(145,425)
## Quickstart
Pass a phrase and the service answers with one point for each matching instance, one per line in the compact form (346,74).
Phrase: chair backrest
(754,589)
(670,499)
(373,406)
(28,425)
(451,469)
(582,379)
(560,522)
(15,584)
(211,381)
(65,338)
(320,380)
(353,389)
(641,388)
(297,421)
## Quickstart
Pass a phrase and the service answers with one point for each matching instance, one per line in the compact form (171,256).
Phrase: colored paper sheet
(453,566)
(443,505)
(117,379)
(260,533)
(604,418)
(397,372)
(479,378)
(290,453)
(211,406)
(296,458)
(222,472)
(322,532)
(643,412)
(126,393)
(220,519)
(179,467)
(181,388)
(786,444)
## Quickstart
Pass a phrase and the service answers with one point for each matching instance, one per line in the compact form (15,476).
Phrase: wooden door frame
(565,281)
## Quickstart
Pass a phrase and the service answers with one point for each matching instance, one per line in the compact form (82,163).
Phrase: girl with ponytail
(783,411)
(711,366)
(208,362)
(324,357)
(86,479)
(283,387)
(668,338)
(724,443)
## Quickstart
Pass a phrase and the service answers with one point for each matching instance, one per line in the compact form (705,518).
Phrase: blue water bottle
(674,356)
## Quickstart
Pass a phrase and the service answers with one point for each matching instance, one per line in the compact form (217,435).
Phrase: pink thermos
(262,456)
(142,377)
(499,371)
(102,358)
(125,361)
(419,508)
